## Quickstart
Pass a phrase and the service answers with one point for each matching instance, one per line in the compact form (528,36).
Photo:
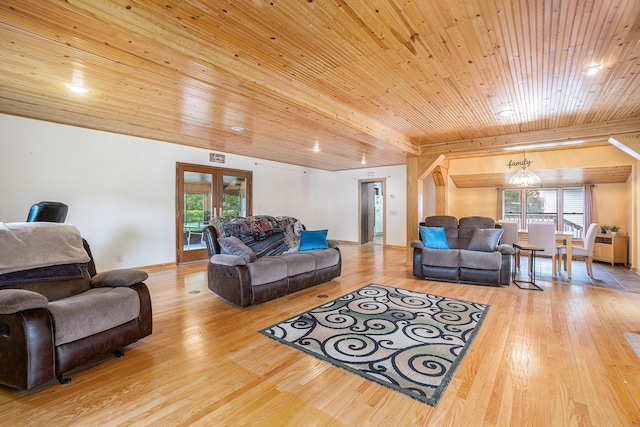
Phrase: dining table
(562,237)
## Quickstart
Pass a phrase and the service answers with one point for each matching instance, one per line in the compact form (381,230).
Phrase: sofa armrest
(417,244)
(231,282)
(333,243)
(229,260)
(116,278)
(505,249)
(26,348)
(17,300)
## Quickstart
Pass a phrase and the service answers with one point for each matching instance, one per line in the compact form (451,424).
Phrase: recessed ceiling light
(237,128)
(364,160)
(506,113)
(592,69)
(316,147)
(76,88)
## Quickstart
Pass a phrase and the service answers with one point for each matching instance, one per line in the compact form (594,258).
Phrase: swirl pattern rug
(409,341)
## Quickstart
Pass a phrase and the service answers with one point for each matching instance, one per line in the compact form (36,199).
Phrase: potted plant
(614,229)
(603,229)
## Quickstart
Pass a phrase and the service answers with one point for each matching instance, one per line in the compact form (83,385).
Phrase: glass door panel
(234,196)
(195,195)
(198,205)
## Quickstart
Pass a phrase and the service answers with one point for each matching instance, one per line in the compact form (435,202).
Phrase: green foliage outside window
(512,202)
(232,205)
(194,208)
(535,202)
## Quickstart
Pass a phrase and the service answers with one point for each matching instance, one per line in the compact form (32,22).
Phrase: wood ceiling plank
(550,177)
(385,79)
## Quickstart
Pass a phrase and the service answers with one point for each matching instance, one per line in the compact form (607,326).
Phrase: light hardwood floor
(552,358)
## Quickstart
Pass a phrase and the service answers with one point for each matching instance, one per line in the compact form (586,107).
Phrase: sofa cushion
(313,239)
(54,289)
(93,311)
(267,270)
(234,246)
(325,258)
(485,239)
(468,225)
(450,224)
(441,257)
(480,260)
(433,237)
(298,263)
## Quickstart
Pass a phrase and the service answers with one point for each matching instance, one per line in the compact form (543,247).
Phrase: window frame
(524,214)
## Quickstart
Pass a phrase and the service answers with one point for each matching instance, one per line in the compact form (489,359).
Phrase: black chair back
(48,212)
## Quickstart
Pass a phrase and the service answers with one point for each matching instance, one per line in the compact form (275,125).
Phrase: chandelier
(524,177)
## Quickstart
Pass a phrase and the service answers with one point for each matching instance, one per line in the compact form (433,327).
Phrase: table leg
(532,272)
(569,255)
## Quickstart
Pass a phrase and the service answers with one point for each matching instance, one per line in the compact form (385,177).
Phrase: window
(563,206)
(542,205)
(573,211)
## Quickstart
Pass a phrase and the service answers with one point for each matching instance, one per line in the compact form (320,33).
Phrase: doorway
(202,193)
(372,199)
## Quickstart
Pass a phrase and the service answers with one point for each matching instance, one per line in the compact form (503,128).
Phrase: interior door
(367,217)
(202,193)
(372,207)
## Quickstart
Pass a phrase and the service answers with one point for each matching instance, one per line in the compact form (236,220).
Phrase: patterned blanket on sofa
(265,235)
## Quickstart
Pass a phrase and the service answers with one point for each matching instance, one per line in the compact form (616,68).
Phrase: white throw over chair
(543,234)
(510,235)
(585,251)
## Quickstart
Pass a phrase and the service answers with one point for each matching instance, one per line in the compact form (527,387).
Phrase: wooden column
(630,144)
(417,169)
(441,179)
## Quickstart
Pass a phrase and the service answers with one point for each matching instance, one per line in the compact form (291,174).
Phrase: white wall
(121,189)
(344,191)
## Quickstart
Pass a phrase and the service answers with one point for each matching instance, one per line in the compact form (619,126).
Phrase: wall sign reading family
(216,158)
(525,163)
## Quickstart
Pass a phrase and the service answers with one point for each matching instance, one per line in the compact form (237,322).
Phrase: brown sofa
(54,318)
(265,263)
(474,254)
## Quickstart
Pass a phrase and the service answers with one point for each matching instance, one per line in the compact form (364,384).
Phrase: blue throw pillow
(433,237)
(313,239)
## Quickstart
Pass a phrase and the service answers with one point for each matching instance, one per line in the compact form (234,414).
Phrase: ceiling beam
(572,135)
(630,144)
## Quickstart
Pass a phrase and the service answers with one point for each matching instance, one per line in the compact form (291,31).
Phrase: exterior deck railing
(576,229)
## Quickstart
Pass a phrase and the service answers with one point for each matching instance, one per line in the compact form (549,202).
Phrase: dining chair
(585,251)
(510,235)
(543,234)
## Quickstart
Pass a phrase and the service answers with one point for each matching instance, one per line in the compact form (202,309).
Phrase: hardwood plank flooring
(551,358)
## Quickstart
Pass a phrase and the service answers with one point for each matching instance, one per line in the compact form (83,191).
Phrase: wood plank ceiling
(373,80)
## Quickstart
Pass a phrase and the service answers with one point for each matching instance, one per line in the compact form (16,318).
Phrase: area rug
(409,341)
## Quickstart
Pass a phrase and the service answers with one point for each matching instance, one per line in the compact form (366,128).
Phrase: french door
(202,193)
